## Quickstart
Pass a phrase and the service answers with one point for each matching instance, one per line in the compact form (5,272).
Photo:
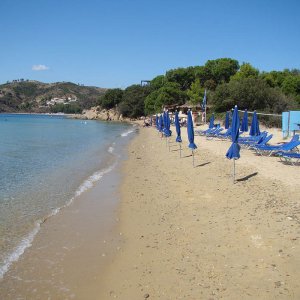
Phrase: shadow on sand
(204,164)
(247,177)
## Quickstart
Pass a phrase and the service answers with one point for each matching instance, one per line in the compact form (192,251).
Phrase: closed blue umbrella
(167,131)
(227,120)
(234,150)
(211,121)
(190,132)
(161,123)
(244,125)
(164,121)
(178,131)
(254,130)
(157,122)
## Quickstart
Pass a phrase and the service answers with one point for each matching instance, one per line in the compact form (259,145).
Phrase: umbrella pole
(180,149)
(193,158)
(233,171)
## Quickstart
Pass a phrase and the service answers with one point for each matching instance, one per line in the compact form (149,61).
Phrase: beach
(156,227)
(190,233)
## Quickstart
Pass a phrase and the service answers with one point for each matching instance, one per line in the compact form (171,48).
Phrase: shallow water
(46,162)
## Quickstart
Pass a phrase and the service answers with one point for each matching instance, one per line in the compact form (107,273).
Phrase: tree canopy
(133,103)
(111,98)
(227,83)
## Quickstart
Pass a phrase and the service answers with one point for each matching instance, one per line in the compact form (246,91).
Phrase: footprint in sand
(257,240)
(207,196)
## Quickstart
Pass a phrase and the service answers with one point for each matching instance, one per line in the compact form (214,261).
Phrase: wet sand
(72,249)
(189,233)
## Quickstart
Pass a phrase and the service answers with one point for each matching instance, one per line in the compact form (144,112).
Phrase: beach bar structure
(290,123)
(183,109)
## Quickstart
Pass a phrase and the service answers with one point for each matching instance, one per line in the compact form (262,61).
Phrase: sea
(47,161)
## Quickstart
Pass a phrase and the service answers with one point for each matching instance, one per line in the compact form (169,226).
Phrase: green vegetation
(72,108)
(32,96)
(111,98)
(227,83)
(28,89)
(133,101)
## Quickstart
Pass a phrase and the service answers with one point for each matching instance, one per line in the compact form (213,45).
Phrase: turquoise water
(45,162)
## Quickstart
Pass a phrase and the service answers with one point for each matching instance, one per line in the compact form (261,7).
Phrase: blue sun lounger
(214,133)
(224,135)
(203,132)
(291,157)
(207,131)
(263,141)
(252,138)
(269,150)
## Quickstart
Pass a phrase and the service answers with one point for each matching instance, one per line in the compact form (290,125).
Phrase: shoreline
(85,230)
(189,233)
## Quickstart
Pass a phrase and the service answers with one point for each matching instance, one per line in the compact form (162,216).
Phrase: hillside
(34,96)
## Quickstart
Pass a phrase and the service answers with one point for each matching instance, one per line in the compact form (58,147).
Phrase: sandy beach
(172,231)
(190,233)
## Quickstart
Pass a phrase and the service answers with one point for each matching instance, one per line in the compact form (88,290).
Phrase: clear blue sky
(110,43)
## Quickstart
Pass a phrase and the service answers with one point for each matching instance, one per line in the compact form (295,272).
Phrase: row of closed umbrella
(163,125)
(254,129)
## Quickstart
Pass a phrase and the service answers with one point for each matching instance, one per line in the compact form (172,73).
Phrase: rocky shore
(96,113)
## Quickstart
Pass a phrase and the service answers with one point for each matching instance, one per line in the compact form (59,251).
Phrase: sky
(117,43)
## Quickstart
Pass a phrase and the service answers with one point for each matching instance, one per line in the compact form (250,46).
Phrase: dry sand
(189,233)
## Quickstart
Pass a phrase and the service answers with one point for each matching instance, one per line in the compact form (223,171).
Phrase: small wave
(126,133)
(19,250)
(111,149)
(26,242)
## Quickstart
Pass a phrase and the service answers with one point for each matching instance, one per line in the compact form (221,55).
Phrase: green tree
(220,70)
(111,98)
(210,84)
(273,78)
(182,76)
(157,82)
(196,92)
(203,74)
(151,105)
(249,93)
(245,71)
(72,108)
(133,101)
(291,85)
(168,94)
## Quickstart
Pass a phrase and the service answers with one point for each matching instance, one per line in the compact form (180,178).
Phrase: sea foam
(26,242)
(19,250)
(126,133)
(111,149)
(88,183)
